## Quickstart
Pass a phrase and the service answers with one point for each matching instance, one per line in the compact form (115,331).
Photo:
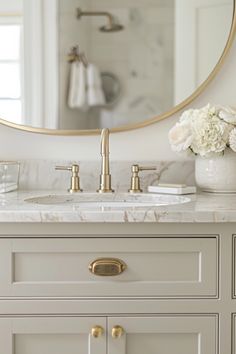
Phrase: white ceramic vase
(217,174)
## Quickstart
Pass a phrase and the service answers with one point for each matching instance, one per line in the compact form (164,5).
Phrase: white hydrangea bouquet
(209,133)
(206,131)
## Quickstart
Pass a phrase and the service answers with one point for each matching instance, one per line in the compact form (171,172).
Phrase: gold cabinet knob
(117,332)
(97,331)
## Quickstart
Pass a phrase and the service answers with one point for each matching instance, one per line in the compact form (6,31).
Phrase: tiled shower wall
(141,56)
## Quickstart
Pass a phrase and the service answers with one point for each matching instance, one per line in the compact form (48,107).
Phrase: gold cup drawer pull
(97,331)
(117,332)
(109,267)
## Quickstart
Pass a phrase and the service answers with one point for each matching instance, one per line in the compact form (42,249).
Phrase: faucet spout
(105,152)
(105,177)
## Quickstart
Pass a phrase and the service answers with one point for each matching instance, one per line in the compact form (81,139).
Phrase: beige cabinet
(234,334)
(155,267)
(234,266)
(158,335)
(172,296)
(58,335)
(121,335)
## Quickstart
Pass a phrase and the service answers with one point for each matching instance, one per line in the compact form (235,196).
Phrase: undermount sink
(116,200)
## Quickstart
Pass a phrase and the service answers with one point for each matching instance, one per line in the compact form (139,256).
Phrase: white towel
(95,94)
(77,97)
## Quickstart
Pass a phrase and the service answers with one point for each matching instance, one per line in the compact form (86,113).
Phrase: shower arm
(81,13)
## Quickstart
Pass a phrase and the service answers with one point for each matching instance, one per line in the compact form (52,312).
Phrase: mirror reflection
(87,64)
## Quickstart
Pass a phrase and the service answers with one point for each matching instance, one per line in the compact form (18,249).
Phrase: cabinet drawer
(155,267)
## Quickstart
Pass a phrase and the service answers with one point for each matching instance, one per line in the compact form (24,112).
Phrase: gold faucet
(105,177)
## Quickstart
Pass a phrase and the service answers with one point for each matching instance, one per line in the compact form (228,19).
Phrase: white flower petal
(205,131)
(232,139)
(180,136)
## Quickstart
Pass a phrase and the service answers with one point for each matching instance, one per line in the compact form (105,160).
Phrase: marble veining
(39,178)
(41,174)
(202,208)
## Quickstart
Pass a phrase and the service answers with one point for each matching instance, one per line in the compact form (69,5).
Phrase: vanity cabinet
(174,292)
(114,335)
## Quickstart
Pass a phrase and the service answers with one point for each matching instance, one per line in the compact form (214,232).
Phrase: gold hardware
(117,332)
(135,179)
(105,177)
(97,331)
(109,267)
(75,55)
(75,180)
(111,26)
(157,118)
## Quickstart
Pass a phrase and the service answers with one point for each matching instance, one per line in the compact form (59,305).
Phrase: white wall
(11,6)
(144,144)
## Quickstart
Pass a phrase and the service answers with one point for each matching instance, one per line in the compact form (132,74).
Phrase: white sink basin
(119,200)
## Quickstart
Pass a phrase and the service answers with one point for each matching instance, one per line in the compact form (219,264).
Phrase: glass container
(9,176)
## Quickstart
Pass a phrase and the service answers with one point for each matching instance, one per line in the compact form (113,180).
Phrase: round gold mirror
(69,70)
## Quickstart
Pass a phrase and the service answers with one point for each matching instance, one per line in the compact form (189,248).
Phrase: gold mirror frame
(147,122)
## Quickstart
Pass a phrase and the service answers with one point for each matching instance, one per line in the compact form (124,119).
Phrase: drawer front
(152,267)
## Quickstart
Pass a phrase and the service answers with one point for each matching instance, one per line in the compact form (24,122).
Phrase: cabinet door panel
(234,334)
(156,267)
(61,335)
(234,266)
(162,335)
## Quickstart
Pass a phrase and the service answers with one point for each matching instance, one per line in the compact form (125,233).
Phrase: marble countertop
(202,208)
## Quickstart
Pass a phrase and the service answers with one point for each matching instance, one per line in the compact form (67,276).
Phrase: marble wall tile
(141,56)
(41,174)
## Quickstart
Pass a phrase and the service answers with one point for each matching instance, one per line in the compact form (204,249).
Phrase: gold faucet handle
(63,168)
(135,179)
(75,180)
(147,168)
